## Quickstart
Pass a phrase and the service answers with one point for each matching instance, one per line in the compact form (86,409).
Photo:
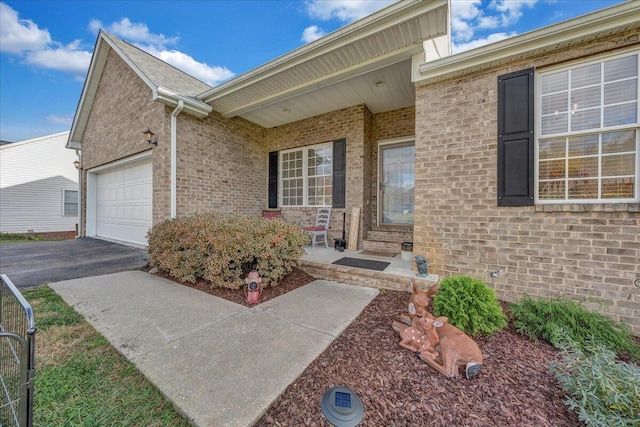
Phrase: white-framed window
(306,176)
(70,202)
(587,148)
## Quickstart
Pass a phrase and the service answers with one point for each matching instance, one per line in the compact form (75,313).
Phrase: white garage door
(124,203)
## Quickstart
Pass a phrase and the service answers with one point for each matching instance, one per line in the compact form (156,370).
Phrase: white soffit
(351,58)
(615,19)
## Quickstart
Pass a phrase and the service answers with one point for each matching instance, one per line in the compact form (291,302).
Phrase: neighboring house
(519,156)
(38,186)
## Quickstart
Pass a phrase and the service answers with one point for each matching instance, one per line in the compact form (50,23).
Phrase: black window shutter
(273,179)
(339,172)
(515,139)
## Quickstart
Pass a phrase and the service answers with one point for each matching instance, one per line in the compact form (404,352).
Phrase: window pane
(556,123)
(552,169)
(618,164)
(552,148)
(585,119)
(617,188)
(555,82)
(556,103)
(585,76)
(585,98)
(621,68)
(551,190)
(583,167)
(583,145)
(625,91)
(618,142)
(622,114)
(583,189)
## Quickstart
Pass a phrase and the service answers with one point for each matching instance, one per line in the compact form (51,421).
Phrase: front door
(396,183)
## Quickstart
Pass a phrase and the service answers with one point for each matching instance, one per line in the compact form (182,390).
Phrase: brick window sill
(589,207)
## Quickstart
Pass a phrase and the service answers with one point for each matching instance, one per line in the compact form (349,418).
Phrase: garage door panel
(124,203)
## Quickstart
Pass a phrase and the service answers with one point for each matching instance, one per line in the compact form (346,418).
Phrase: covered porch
(319,263)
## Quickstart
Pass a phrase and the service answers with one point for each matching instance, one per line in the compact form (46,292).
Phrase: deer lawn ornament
(456,349)
(453,348)
(421,338)
(419,299)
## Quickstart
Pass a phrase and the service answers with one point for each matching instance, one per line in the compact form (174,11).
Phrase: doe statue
(436,342)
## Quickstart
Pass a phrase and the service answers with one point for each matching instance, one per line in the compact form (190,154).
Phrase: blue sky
(46,46)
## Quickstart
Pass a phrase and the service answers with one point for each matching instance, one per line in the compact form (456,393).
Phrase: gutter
(80,227)
(174,156)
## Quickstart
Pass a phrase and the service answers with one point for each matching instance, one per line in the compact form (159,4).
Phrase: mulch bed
(515,387)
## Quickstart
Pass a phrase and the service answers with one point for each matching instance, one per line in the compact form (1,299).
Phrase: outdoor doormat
(362,263)
(380,253)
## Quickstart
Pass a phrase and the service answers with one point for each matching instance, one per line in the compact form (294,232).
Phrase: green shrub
(222,248)
(544,319)
(470,305)
(605,393)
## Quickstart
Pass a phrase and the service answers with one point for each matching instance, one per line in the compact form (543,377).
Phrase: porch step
(386,240)
(369,278)
(390,236)
(381,246)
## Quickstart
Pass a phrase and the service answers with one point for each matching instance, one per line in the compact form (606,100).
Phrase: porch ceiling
(339,70)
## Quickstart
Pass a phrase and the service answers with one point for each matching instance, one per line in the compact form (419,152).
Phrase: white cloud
(134,32)
(344,10)
(492,38)
(211,75)
(18,35)
(139,35)
(469,17)
(312,33)
(62,58)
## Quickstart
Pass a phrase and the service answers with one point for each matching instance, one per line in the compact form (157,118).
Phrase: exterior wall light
(77,164)
(149,135)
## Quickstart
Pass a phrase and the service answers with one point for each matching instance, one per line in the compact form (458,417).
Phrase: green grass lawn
(81,380)
(18,237)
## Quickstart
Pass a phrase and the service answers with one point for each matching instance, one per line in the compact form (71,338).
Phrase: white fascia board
(594,23)
(391,16)
(191,105)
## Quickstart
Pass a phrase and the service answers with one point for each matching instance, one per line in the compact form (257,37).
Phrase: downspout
(80,228)
(174,156)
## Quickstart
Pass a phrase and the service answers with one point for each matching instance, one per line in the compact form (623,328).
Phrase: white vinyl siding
(588,144)
(33,177)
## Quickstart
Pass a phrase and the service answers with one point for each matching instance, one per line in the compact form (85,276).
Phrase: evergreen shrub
(223,248)
(551,318)
(470,305)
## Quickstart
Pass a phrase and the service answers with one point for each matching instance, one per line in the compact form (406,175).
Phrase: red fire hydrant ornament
(253,288)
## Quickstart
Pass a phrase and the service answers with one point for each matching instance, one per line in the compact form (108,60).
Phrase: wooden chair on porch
(320,229)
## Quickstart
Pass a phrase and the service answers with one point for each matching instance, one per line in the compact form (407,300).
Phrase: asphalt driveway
(35,263)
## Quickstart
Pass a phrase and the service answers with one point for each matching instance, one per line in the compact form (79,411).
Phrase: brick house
(519,156)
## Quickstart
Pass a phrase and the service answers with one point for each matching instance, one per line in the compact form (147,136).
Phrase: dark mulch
(291,281)
(58,235)
(515,387)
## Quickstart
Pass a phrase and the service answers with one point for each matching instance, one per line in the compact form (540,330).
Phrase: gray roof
(159,72)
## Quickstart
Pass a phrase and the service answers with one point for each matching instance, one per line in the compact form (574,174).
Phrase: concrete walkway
(220,363)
